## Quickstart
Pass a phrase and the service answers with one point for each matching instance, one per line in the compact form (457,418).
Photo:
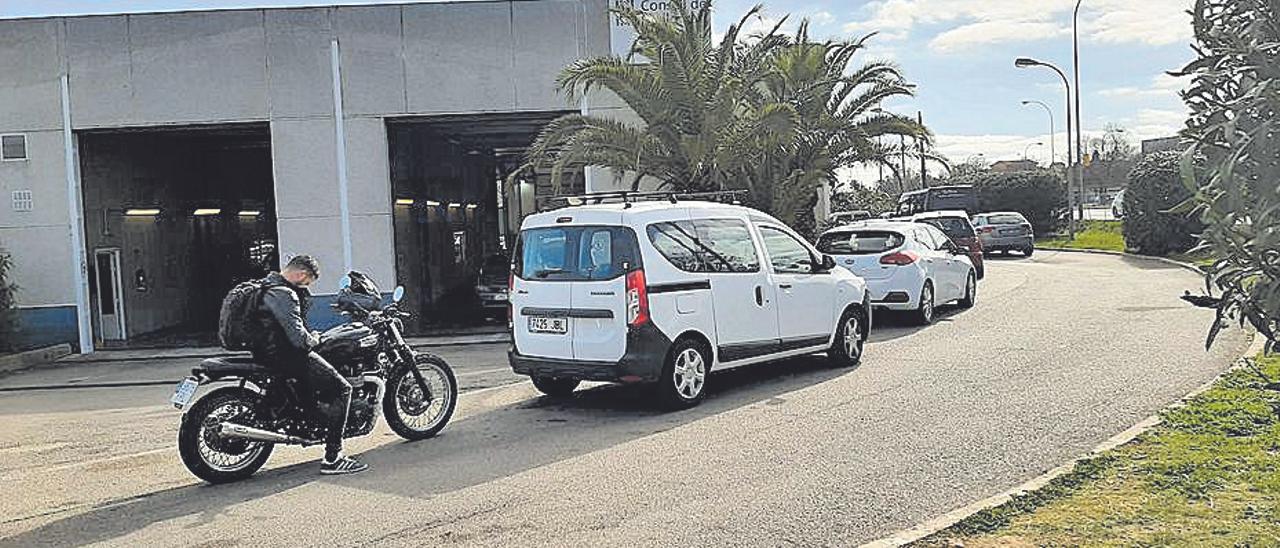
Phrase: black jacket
(282,318)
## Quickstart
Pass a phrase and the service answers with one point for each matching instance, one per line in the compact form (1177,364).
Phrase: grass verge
(1208,475)
(1103,235)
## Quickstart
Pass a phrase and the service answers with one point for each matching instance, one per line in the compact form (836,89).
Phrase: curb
(32,358)
(940,523)
(1165,260)
(503,339)
(223,354)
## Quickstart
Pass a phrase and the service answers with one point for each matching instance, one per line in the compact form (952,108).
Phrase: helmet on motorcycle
(358,289)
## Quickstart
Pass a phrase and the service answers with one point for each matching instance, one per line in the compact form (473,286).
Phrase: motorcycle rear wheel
(207,455)
(408,414)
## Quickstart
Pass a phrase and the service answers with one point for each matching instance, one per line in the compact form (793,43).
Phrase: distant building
(1164,143)
(1014,166)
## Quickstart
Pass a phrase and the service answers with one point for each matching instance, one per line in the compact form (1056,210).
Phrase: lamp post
(1028,147)
(1053,153)
(1075,61)
(1027,62)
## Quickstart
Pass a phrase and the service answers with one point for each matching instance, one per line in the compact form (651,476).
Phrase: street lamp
(1028,147)
(1053,153)
(1027,62)
(1075,61)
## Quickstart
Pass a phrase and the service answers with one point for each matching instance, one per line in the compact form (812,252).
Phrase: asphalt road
(1061,352)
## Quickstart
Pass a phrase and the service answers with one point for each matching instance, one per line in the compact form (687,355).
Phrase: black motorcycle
(228,434)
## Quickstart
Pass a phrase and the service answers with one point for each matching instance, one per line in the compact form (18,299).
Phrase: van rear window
(576,253)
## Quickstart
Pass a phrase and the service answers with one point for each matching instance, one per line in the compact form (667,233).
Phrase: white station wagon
(661,292)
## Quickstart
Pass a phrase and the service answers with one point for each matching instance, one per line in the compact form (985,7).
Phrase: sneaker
(343,465)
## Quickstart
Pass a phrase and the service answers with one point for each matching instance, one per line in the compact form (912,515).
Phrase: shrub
(1155,188)
(1040,196)
(1235,130)
(8,312)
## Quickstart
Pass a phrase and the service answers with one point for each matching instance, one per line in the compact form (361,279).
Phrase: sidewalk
(157,367)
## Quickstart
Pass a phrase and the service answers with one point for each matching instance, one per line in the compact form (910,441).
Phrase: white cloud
(1162,85)
(822,18)
(988,32)
(978,22)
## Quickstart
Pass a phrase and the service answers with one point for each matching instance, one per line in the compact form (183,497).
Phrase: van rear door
(605,257)
(540,299)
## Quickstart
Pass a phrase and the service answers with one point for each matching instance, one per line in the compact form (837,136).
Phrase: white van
(662,292)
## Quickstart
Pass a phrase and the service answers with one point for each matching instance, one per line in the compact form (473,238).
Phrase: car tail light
(637,299)
(987,229)
(900,258)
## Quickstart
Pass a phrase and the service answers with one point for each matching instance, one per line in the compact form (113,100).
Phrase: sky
(959,53)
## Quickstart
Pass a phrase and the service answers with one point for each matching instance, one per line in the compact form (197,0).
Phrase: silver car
(1004,231)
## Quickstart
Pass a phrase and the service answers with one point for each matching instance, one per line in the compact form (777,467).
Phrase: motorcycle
(228,434)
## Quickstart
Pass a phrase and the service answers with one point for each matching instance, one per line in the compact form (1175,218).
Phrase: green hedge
(1155,187)
(1040,196)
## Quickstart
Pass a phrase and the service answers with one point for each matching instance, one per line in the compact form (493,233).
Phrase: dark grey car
(1004,231)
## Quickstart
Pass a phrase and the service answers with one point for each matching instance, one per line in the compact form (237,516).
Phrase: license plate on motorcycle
(542,324)
(185,391)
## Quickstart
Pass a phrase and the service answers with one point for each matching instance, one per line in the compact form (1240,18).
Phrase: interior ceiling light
(404,201)
(202,212)
(250,213)
(141,212)
(433,203)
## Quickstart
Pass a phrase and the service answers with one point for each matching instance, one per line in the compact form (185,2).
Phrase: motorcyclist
(286,343)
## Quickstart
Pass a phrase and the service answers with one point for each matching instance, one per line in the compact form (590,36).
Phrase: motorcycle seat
(215,368)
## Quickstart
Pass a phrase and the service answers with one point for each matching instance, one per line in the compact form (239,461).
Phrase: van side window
(786,254)
(706,245)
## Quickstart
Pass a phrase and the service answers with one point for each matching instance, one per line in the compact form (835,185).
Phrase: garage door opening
(174,217)
(456,213)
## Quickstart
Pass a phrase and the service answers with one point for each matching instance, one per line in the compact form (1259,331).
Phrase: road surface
(1061,352)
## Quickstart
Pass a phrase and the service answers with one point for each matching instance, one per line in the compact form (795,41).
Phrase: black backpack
(236,329)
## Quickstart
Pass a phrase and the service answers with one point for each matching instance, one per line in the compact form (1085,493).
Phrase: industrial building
(154,160)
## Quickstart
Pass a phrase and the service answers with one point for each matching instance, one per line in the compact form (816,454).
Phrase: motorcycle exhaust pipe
(233,430)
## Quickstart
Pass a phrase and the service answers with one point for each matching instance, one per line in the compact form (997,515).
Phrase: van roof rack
(629,197)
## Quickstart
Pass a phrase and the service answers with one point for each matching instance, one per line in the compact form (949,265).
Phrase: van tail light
(637,299)
(900,258)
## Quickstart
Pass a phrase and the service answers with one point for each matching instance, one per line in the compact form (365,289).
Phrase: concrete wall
(273,65)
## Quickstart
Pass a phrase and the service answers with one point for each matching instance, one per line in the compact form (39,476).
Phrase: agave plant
(1233,165)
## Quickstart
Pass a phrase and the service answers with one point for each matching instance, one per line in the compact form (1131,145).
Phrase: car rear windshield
(1003,219)
(576,253)
(953,227)
(859,243)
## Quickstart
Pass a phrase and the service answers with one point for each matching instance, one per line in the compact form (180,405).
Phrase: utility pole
(902,153)
(924,176)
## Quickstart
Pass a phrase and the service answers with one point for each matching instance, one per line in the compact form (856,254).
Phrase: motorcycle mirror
(344,283)
(398,293)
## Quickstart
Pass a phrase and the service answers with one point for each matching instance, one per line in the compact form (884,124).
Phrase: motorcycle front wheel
(413,413)
(209,455)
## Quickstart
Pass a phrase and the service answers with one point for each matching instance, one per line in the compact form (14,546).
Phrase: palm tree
(697,129)
(774,114)
(839,120)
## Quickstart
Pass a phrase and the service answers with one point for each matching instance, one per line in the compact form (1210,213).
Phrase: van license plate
(539,324)
(186,389)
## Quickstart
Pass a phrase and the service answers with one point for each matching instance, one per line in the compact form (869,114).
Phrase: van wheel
(846,350)
(923,314)
(1027,251)
(683,382)
(555,387)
